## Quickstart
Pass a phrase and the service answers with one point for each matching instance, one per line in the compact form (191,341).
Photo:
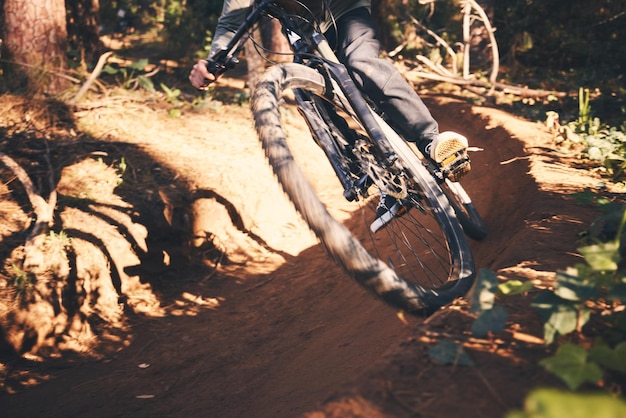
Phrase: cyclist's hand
(200,77)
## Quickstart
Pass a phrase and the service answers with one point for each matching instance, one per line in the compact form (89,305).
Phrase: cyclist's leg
(359,50)
(427,261)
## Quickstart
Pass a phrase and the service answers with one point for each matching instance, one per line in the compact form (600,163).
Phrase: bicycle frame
(427,259)
(314,50)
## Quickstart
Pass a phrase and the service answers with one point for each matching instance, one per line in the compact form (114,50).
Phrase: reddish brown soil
(278,330)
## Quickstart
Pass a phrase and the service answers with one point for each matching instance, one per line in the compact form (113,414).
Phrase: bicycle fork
(320,128)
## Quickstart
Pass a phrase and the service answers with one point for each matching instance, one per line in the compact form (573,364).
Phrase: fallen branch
(439,40)
(42,209)
(468,6)
(466,80)
(92,77)
(521,91)
(44,213)
(438,69)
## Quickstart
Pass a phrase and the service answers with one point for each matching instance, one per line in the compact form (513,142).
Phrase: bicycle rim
(418,262)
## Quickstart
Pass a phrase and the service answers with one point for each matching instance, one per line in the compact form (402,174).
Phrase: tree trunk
(275,41)
(35,35)
(275,49)
(255,62)
(83,27)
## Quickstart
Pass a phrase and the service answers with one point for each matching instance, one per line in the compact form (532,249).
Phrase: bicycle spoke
(416,251)
(419,260)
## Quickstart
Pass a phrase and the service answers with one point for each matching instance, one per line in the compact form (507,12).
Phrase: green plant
(130,79)
(552,403)
(491,318)
(584,310)
(595,289)
(121,169)
(172,96)
(22,281)
(57,242)
(583,314)
(602,144)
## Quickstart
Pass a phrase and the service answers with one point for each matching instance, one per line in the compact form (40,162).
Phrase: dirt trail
(288,330)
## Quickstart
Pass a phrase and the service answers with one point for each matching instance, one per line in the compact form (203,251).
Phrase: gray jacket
(234,12)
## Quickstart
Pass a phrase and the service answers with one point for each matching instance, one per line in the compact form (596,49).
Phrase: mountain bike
(418,262)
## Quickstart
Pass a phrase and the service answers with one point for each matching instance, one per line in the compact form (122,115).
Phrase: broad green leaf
(109,70)
(559,315)
(515,287)
(146,83)
(585,197)
(552,403)
(565,320)
(603,256)
(491,320)
(484,294)
(571,365)
(574,288)
(614,359)
(139,64)
(448,352)
(546,300)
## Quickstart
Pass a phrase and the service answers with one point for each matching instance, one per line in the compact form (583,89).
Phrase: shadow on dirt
(123,233)
(274,346)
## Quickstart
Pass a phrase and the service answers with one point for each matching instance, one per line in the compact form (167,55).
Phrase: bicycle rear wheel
(467,214)
(418,262)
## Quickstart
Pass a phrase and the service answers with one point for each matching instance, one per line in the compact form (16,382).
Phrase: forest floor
(255,320)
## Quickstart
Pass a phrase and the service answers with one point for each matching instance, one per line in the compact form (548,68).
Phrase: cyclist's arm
(233,14)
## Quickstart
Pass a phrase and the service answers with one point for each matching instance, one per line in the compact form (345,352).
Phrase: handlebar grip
(219,65)
(215,67)
(220,62)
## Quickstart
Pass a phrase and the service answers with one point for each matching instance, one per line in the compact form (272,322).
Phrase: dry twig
(467,81)
(44,211)
(92,77)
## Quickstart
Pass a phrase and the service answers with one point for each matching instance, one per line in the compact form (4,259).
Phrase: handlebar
(221,62)
(225,59)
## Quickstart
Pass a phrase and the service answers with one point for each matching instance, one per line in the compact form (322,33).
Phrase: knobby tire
(348,251)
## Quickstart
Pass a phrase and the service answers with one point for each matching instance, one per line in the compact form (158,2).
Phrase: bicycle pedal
(456,166)
(459,168)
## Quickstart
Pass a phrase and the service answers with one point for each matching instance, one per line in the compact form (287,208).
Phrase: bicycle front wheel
(419,261)
(465,210)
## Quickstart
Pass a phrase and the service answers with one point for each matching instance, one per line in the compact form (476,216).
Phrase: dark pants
(358,49)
